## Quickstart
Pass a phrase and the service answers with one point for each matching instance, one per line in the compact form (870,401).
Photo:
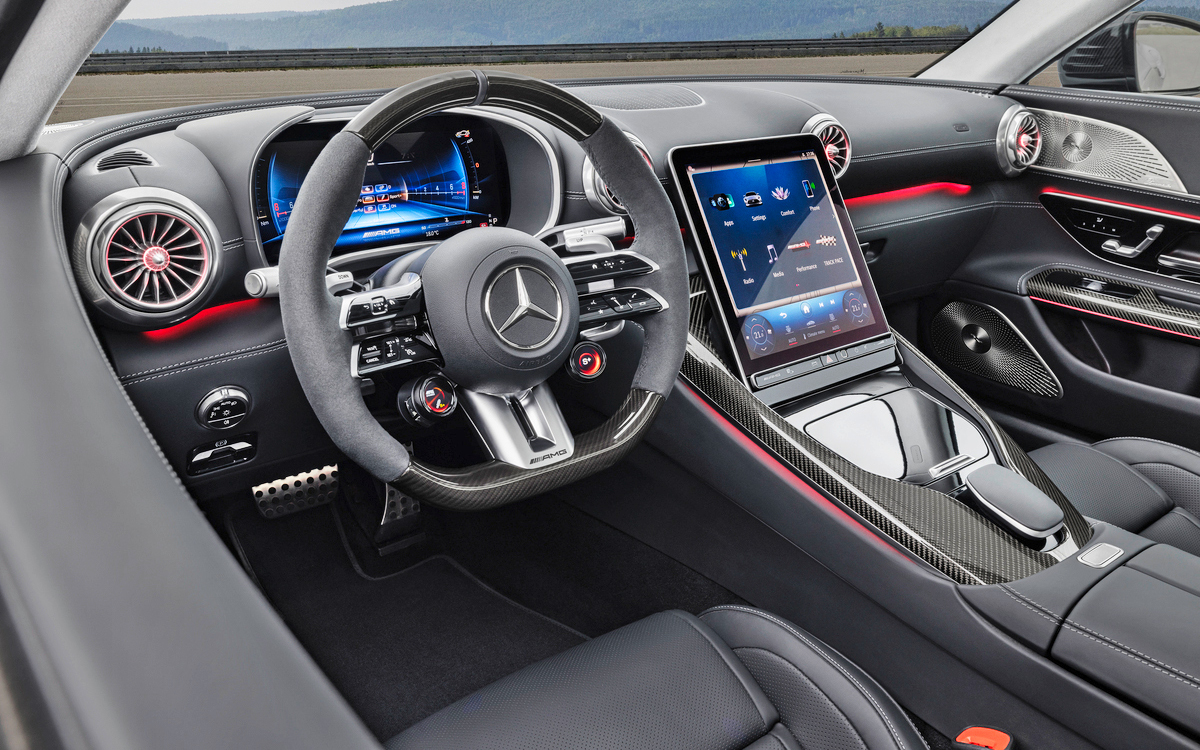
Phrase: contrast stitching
(1185,197)
(923,149)
(1134,654)
(206,364)
(1027,602)
(926,217)
(826,657)
(1159,442)
(202,359)
(1093,98)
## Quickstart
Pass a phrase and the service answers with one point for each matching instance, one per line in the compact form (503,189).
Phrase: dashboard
(231,176)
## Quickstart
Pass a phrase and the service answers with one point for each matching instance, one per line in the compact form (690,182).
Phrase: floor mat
(400,647)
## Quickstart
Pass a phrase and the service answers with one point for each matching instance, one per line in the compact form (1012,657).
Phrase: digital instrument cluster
(422,184)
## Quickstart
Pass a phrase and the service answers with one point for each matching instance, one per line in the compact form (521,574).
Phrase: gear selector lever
(1015,503)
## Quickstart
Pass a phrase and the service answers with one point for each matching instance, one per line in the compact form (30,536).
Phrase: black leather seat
(1145,486)
(733,678)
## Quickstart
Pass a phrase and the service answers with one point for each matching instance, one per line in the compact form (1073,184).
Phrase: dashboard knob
(587,361)
(223,407)
(424,401)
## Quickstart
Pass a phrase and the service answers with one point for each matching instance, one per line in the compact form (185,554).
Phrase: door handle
(1129,251)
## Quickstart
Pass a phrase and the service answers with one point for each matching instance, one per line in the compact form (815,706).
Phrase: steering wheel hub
(502,307)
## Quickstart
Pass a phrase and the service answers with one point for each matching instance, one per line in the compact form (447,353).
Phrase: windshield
(152,57)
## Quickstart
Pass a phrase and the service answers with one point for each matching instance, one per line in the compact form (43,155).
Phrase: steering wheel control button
(382,304)
(587,361)
(222,453)
(382,352)
(426,400)
(618,303)
(223,407)
(609,266)
(1100,555)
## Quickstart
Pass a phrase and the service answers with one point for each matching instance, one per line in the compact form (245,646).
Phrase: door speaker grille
(983,342)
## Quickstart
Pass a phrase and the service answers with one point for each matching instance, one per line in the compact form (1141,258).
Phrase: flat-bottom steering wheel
(499,357)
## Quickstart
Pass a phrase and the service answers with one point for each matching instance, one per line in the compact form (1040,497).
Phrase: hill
(122,36)
(403,23)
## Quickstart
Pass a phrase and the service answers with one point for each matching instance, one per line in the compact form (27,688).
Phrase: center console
(804,332)
(790,346)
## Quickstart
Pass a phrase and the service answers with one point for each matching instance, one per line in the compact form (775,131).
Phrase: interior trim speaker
(980,340)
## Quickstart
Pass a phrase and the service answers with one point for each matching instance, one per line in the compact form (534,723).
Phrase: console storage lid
(1137,633)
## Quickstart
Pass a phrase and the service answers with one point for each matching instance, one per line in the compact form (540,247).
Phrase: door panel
(1122,340)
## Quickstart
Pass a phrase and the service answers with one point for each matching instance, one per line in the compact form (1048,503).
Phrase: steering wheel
(501,306)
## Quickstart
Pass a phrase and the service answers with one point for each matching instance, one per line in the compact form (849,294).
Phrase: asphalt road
(98,95)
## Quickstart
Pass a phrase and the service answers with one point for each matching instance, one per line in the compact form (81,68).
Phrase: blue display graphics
(783,254)
(421,185)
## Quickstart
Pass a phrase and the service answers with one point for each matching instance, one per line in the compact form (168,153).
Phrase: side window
(1147,52)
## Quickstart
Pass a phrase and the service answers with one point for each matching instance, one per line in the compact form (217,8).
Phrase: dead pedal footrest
(297,492)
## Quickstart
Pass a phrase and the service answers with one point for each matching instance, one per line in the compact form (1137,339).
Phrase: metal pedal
(297,492)
(397,505)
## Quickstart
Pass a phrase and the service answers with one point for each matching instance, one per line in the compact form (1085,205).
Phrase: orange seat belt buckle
(992,739)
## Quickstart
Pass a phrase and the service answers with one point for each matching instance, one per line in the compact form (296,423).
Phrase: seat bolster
(878,720)
(1179,529)
(665,682)
(1136,450)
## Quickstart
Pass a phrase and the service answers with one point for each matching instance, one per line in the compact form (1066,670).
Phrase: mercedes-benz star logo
(524,307)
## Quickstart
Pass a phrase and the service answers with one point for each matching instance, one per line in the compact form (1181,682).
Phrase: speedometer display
(421,185)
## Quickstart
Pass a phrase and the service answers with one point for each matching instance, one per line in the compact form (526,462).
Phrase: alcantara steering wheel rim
(320,341)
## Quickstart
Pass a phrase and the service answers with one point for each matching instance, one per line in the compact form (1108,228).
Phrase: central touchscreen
(779,247)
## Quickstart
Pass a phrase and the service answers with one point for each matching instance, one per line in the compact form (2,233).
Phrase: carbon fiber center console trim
(949,536)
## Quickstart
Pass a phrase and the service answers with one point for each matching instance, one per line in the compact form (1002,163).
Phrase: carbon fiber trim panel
(951,537)
(1011,454)
(1009,359)
(1144,309)
(493,484)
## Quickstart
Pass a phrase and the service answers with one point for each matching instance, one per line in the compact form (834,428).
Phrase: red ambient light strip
(908,193)
(203,318)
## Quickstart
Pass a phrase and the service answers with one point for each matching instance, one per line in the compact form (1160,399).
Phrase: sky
(167,8)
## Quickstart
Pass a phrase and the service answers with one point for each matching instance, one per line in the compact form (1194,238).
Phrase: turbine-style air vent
(156,260)
(1018,141)
(597,192)
(836,140)
(127,158)
(146,257)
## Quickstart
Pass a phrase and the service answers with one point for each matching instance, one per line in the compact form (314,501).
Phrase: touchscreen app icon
(780,193)
(721,201)
(809,189)
(740,255)
(752,199)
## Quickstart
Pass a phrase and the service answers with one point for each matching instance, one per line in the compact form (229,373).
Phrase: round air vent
(597,193)
(1018,140)
(146,257)
(837,141)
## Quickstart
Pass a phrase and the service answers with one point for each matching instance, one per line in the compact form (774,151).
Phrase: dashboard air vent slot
(125,158)
(146,257)
(835,138)
(1018,140)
